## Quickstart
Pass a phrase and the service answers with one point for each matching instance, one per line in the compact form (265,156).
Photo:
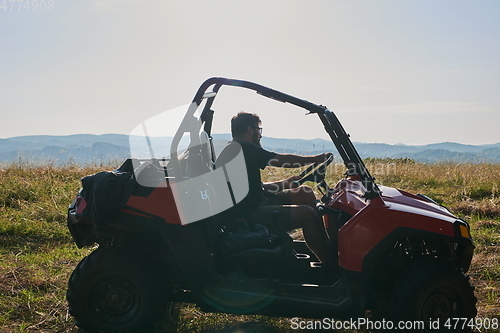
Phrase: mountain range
(89,149)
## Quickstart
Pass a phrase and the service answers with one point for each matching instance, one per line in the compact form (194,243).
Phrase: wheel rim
(442,303)
(114,299)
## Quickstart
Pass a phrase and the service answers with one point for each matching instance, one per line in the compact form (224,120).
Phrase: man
(295,204)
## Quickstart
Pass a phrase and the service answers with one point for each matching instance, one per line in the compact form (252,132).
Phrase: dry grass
(37,254)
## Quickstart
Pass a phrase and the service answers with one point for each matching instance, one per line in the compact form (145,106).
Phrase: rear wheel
(433,293)
(115,289)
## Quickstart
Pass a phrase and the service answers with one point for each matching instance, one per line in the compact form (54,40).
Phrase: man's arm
(295,161)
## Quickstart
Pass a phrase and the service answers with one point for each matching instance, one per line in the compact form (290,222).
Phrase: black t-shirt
(256,158)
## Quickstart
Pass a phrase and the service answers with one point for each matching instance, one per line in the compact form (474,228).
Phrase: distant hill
(87,149)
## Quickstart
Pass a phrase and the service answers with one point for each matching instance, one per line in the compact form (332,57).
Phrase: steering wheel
(315,172)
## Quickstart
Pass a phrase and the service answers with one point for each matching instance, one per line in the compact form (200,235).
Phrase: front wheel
(116,290)
(430,295)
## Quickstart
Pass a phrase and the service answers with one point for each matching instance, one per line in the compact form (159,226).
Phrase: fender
(463,253)
(370,231)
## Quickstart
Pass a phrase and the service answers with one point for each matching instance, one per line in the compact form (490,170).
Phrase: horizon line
(266,137)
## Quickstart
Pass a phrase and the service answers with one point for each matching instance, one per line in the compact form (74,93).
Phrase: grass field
(37,254)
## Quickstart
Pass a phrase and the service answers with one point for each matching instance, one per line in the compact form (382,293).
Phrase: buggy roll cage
(353,162)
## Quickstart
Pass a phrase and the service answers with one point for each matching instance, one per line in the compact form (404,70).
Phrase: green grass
(37,254)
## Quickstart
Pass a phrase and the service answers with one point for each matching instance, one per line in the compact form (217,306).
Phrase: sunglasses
(260,129)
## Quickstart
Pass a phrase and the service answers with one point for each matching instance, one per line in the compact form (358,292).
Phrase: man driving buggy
(294,204)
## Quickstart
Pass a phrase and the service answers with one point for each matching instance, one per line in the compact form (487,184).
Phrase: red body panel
(159,203)
(81,204)
(373,220)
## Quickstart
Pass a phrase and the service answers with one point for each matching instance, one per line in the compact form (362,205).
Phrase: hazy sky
(396,71)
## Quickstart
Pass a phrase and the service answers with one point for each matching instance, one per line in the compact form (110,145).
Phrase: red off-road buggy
(159,224)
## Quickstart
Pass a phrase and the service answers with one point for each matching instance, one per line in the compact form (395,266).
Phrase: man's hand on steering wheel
(316,172)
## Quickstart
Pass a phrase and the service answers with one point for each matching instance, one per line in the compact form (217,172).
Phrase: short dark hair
(241,121)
